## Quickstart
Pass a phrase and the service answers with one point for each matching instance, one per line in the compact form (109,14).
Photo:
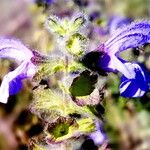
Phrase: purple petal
(117,22)
(94,15)
(48,2)
(13,78)
(131,36)
(137,86)
(14,49)
(98,136)
(15,86)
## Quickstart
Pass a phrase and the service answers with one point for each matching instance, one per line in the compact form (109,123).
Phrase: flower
(11,83)
(98,136)
(44,2)
(114,23)
(94,15)
(106,58)
(81,3)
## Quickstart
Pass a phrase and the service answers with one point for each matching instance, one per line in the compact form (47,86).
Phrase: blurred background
(127,121)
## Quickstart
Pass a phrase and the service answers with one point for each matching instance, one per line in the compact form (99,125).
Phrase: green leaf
(76,44)
(49,105)
(90,100)
(84,84)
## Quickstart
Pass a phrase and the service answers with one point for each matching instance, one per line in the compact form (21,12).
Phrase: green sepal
(66,128)
(65,27)
(76,44)
(78,22)
(51,67)
(55,26)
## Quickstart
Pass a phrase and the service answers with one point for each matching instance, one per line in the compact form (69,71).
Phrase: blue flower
(11,83)
(108,59)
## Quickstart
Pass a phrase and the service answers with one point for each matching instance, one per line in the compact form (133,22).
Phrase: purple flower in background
(94,15)
(116,22)
(12,82)
(106,58)
(44,2)
(98,136)
(81,3)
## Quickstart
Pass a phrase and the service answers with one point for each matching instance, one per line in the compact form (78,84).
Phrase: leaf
(91,100)
(49,105)
(84,84)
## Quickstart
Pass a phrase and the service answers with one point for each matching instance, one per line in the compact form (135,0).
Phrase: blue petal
(137,86)
(131,36)
(15,86)
(11,82)
(48,2)
(117,22)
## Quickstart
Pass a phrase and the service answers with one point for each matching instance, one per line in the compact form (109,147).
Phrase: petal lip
(134,27)
(14,78)
(136,87)
(14,49)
